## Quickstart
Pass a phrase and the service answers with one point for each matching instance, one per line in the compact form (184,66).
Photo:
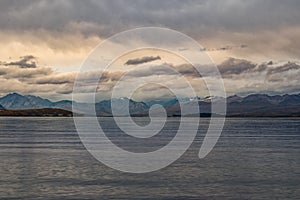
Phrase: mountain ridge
(253,105)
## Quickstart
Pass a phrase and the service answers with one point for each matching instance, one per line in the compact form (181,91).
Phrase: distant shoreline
(56,112)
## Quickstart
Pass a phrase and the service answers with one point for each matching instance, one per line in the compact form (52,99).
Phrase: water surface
(43,158)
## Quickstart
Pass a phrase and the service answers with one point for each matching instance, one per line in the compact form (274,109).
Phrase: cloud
(28,61)
(56,79)
(151,70)
(21,76)
(284,68)
(142,60)
(187,70)
(225,48)
(283,74)
(239,68)
(233,66)
(24,73)
(166,69)
(108,76)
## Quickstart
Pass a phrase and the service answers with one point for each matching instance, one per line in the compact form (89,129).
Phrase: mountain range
(254,105)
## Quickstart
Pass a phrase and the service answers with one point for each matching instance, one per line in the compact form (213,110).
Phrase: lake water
(43,158)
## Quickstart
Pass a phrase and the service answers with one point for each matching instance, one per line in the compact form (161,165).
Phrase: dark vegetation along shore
(42,112)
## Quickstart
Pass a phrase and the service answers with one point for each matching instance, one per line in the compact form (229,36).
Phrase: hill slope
(15,101)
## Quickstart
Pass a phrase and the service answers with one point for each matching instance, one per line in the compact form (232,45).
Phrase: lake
(255,158)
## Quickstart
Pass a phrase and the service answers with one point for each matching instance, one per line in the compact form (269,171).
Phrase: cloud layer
(266,28)
(106,16)
(240,76)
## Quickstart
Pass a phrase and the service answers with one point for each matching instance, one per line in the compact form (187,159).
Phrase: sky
(255,44)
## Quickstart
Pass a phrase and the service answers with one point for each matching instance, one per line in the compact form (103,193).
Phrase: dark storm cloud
(142,60)
(215,22)
(28,61)
(114,16)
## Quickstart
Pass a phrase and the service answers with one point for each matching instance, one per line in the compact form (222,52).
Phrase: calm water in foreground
(43,158)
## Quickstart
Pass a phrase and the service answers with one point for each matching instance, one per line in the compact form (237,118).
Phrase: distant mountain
(254,105)
(63,104)
(103,108)
(15,101)
(234,98)
(164,103)
(1,107)
(264,105)
(195,107)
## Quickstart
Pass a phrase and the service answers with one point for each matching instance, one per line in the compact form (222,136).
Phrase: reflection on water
(43,158)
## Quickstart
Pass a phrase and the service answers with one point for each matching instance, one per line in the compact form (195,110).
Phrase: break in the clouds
(142,60)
